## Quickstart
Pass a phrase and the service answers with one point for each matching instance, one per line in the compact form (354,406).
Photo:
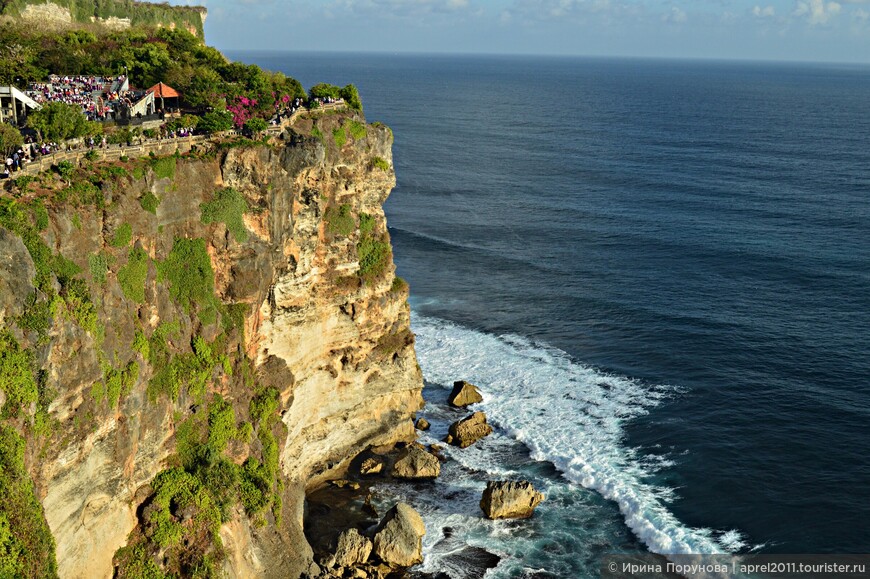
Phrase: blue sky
(804,30)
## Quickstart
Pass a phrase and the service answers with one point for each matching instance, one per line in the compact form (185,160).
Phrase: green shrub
(26,544)
(380,163)
(77,299)
(221,425)
(141,345)
(216,122)
(91,155)
(98,264)
(339,136)
(374,256)
(16,376)
(164,167)
(116,383)
(149,202)
(255,125)
(40,215)
(357,130)
(188,270)
(350,94)
(123,236)
(227,207)
(339,220)
(132,276)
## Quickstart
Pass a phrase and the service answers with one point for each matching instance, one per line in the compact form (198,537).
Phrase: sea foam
(572,416)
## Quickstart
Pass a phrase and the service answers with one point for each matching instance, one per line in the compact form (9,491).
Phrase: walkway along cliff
(190,343)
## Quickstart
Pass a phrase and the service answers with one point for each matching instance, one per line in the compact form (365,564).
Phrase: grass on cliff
(227,207)
(26,545)
(380,163)
(339,220)
(123,236)
(178,531)
(16,376)
(149,202)
(164,167)
(133,275)
(373,250)
(188,270)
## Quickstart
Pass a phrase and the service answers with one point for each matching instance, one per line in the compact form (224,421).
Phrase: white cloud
(817,11)
(766,12)
(676,15)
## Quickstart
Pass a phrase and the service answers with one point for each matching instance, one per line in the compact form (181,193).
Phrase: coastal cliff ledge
(192,342)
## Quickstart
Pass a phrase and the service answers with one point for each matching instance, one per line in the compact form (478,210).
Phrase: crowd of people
(93,94)
(15,162)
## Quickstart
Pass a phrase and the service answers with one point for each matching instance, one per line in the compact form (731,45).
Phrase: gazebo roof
(161,90)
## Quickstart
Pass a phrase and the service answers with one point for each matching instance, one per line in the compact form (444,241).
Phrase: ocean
(658,273)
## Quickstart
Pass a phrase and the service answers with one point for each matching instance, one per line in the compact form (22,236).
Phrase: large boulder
(463,394)
(510,500)
(399,537)
(352,548)
(463,433)
(422,424)
(415,463)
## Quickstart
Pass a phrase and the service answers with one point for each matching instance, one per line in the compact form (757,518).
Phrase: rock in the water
(343,483)
(371,466)
(463,433)
(422,424)
(399,537)
(463,394)
(510,500)
(416,463)
(352,548)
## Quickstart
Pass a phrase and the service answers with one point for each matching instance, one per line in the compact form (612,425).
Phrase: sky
(790,30)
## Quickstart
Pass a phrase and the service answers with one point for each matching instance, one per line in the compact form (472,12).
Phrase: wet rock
(371,466)
(352,548)
(415,463)
(399,537)
(422,424)
(463,394)
(438,452)
(343,483)
(463,433)
(510,500)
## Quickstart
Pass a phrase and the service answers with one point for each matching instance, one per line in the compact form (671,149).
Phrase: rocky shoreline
(352,539)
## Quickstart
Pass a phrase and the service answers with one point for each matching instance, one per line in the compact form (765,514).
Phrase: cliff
(191,344)
(111,14)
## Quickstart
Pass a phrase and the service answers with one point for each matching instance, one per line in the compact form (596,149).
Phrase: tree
(59,121)
(216,121)
(255,125)
(351,96)
(324,90)
(10,139)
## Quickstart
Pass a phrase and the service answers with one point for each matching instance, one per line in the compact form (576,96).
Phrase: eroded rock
(352,549)
(414,463)
(371,466)
(422,424)
(399,537)
(510,500)
(463,433)
(463,394)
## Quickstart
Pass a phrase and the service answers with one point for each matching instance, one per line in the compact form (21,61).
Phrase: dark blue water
(687,244)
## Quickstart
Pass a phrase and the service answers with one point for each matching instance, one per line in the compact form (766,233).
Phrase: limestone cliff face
(329,333)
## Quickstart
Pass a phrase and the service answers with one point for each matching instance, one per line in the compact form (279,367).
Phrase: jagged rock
(371,466)
(416,463)
(510,500)
(438,452)
(343,483)
(463,433)
(463,394)
(360,573)
(399,537)
(352,548)
(422,424)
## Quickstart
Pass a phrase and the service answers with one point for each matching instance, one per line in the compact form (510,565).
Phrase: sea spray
(566,414)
